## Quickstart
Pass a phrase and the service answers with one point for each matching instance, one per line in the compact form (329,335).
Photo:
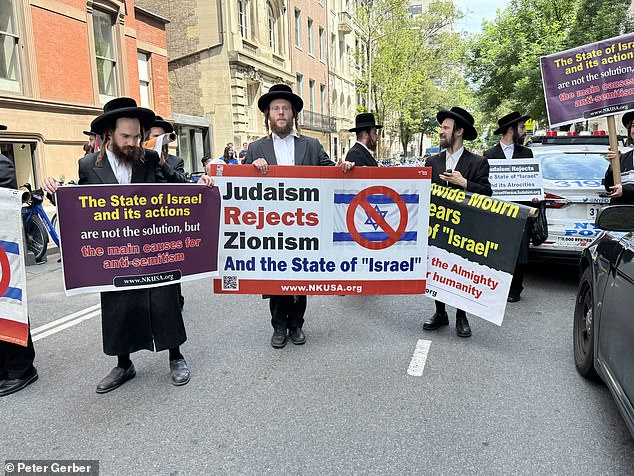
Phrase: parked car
(603,329)
(572,177)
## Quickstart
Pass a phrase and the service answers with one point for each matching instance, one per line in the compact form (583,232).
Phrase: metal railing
(317,122)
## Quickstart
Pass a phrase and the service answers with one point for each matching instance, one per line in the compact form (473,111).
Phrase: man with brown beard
(284,146)
(142,318)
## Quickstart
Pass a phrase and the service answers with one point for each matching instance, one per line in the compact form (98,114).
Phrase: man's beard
(127,154)
(517,139)
(282,131)
(447,143)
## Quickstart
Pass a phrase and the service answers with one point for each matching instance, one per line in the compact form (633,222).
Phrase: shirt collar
(457,154)
(507,146)
(292,134)
(364,146)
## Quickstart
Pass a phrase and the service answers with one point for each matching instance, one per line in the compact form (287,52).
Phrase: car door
(616,326)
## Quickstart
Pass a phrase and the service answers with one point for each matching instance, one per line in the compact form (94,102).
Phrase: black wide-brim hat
(509,120)
(3,127)
(166,126)
(118,108)
(280,91)
(627,118)
(364,120)
(90,133)
(462,117)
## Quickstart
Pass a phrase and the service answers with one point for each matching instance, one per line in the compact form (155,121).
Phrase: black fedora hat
(627,118)
(3,127)
(166,126)
(364,120)
(509,120)
(462,117)
(280,91)
(90,133)
(118,108)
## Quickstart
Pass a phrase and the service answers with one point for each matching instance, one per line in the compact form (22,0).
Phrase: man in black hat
(89,147)
(171,168)
(622,193)
(361,152)
(512,129)
(284,146)
(143,318)
(456,167)
(16,361)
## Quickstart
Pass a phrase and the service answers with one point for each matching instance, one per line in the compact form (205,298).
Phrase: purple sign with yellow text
(591,81)
(122,237)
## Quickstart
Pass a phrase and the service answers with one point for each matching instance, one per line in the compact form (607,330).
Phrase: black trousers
(518,279)
(287,312)
(440,308)
(16,361)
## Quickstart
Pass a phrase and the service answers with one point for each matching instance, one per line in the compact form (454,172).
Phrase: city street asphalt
(507,401)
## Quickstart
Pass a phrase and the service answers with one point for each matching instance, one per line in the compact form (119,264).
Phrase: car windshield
(563,166)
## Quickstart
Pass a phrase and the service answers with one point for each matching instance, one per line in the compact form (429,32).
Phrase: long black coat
(519,152)
(627,164)
(173,170)
(360,156)
(142,318)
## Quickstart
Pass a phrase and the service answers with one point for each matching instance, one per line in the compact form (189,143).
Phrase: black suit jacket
(173,170)
(361,156)
(519,152)
(472,167)
(8,178)
(308,151)
(92,172)
(627,164)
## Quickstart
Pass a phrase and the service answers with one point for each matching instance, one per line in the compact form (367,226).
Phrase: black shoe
(116,378)
(279,338)
(436,321)
(462,327)
(513,298)
(297,335)
(12,385)
(179,372)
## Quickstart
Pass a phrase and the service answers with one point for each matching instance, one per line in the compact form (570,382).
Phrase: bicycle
(37,225)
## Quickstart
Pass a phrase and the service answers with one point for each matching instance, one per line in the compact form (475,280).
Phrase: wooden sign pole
(614,145)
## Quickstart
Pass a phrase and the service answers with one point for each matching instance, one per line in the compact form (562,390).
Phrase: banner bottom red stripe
(256,286)
(14,332)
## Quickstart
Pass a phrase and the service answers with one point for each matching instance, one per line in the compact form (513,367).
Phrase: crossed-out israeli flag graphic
(379,217)
(11,250)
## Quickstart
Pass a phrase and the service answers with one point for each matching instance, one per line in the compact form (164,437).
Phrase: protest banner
(473,246)
(122,237)
(316,230)
(14,319)
(590,81)
(517,180)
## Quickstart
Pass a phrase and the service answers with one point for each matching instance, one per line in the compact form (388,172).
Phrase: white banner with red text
(315,230)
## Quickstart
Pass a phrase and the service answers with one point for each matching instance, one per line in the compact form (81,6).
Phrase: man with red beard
(142,318)
(456,167)
(284,146)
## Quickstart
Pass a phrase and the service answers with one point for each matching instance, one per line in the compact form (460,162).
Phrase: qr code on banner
(229,283)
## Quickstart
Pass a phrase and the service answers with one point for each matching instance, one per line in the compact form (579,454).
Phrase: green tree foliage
(402,60)
(503,60)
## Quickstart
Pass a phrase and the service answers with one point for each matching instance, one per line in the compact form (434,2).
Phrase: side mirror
(616,218)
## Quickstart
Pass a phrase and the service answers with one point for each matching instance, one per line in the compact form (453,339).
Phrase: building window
(9,53)
(272,25)
(312,92)
(252,89)
(106,56)
(311,39)
(322,95)
(322,44)
(298,28)
(300,85)
(243,18)
(144,79)
(333,42)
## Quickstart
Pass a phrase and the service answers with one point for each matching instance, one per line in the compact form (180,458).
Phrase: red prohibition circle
(360,201)
(6,272)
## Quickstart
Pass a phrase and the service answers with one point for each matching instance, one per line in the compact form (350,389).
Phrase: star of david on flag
(376,217)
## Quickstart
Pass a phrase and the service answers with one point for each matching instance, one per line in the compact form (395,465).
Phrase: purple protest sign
(591,81)
(122,237)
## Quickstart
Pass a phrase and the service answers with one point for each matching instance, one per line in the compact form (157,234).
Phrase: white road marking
(417,365)
(65,322)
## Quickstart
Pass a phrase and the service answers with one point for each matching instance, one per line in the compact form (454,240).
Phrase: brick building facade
(63,59)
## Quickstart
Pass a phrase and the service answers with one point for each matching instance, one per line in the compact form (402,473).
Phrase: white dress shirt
(507,149)
(284,148)
(452,159)
(122,171)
